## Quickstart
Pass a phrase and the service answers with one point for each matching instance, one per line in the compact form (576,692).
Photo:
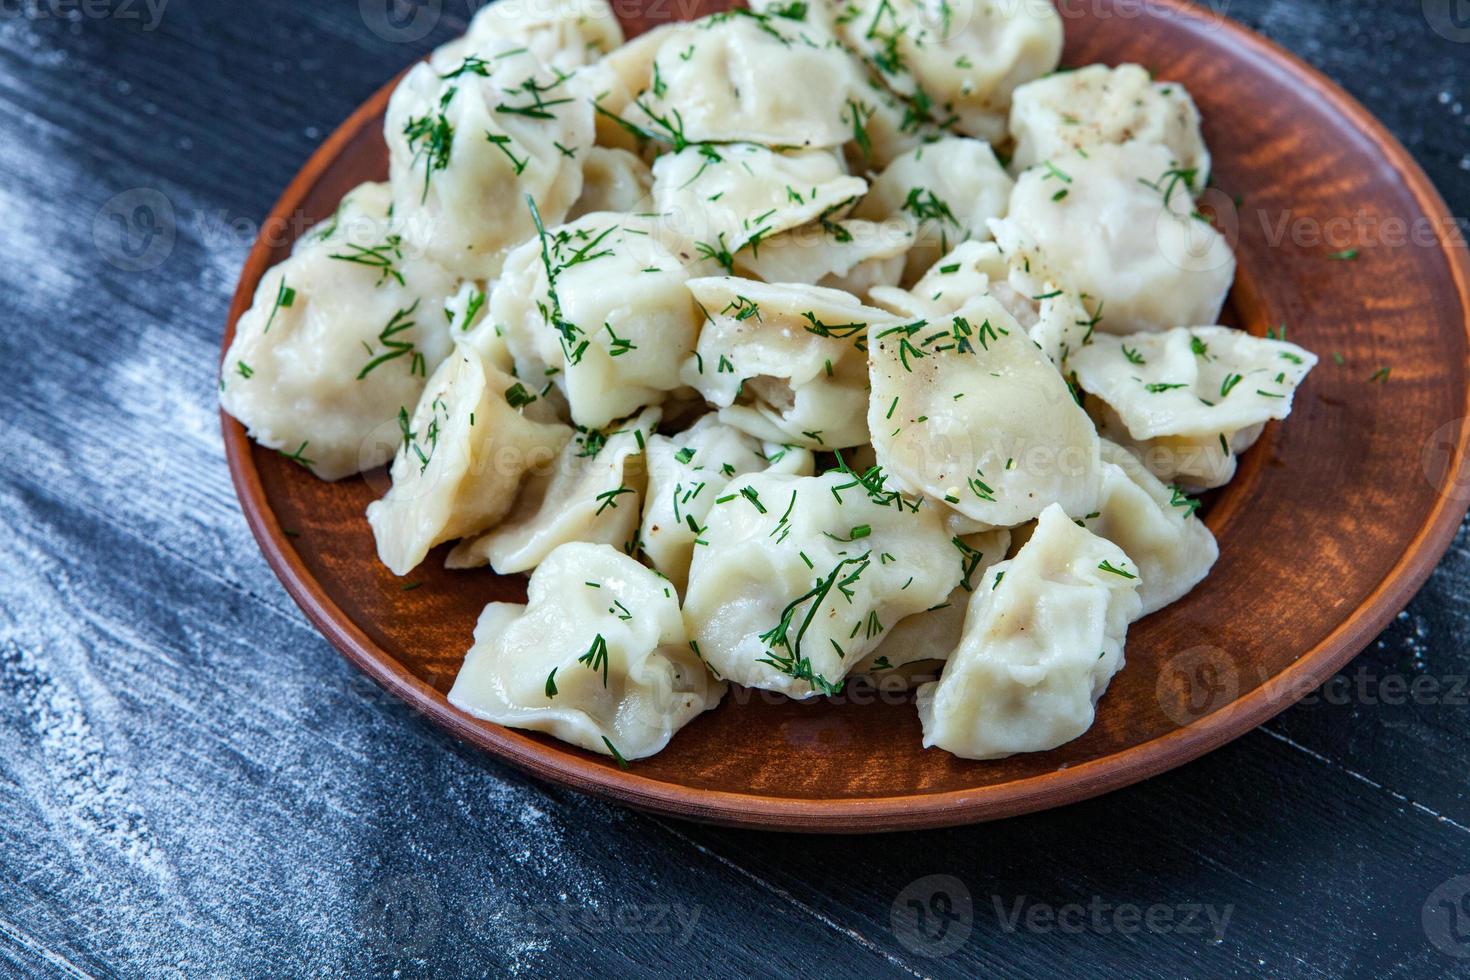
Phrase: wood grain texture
(192,781)
(1269,624)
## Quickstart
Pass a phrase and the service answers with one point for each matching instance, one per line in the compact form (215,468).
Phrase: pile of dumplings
(793,343)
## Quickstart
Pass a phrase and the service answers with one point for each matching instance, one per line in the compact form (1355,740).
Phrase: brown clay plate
(1335,519)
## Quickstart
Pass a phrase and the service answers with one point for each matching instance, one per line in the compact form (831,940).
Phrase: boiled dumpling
(1119,224)
(724,199)
(956,61)
(562,34)
(340,336)
(1155,526)
(784,362)
(799,578)
(461,459)
(746,76)
(593,493)
(597,657)
(1054,116)
(946,191)
(612,333)
(467,150)
(966,410)
(686,472)
(1043,637)
(1188,400)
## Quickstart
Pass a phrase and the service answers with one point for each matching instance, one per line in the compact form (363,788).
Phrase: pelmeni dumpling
(597,657)
(613,180)
(562,34)
(1189,399)
(747,76)
(929,637)
(784,362)
(467,150)
(614,331)
(1119,223)
(340,335)
(966,410)
(800,577)
(1043,637)
(723,199)
(946,191)
(461,460)
(957,60)
(851,255)
(1053,315)
(1054,116)
(1155,526)
(686,472)
(593,493)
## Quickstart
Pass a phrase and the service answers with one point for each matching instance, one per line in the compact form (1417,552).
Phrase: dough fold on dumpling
(468,147)
(1043,636)
(784,362)
(593,494)
(599,309)
(947,192)
(597,657)
(966,410)
(1054,116)
(1119,224)
(1187,401)
(798,578)
(461,460)
(339,336)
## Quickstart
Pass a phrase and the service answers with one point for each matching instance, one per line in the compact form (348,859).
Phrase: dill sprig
(396,348)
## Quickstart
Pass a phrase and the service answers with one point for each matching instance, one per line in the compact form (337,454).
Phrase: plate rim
(565,765)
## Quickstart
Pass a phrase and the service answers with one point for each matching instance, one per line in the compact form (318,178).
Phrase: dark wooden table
(193,782)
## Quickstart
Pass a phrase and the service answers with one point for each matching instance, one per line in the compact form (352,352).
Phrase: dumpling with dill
(467,146)
(339,336)
(461,458)
(598,309)
(796,579)
(967,411)
(598,657)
